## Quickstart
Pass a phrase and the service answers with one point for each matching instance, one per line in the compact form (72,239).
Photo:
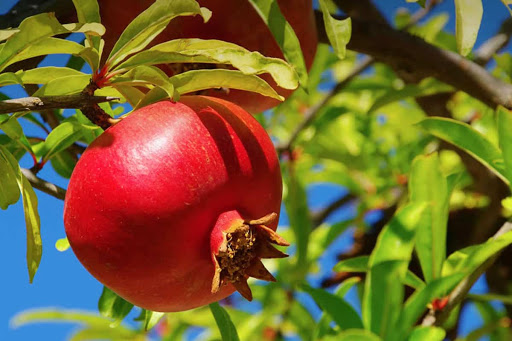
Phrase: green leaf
(33,225)
(112,306)
(64,86)
(226,327)
(428,184)
(465,137)
(62,244)
(147,25)
(356,335)
(63,136)
(9,190)
(88,11)
(427,334)
(47,46)
(46,74)
(468,18)
(504,123)
(360,264)
(416,304)
(338,31)
(143,74)
(149,318)
(469,259)
(215,52)
(338,309)
(13,129)
(382,299)
(323,324)
(63,163)
(196,80)
(284,35)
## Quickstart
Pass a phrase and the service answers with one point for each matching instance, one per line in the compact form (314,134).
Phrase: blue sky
(62,282)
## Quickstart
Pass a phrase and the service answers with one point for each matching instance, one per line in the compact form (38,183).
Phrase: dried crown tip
(239,256)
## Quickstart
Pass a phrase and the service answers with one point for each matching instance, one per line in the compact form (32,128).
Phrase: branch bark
(44,186)
(51,102)
(403,51)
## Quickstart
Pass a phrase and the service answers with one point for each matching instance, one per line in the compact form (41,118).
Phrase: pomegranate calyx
(239,255)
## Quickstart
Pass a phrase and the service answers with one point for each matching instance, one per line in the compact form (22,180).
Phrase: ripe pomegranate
(234,21)
(173,207)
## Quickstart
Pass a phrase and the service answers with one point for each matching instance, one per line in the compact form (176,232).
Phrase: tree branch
(44,186)
(437,318)
(318,217)
(405,52)
(51,102)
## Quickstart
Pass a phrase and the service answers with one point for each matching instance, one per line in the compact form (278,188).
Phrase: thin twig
(318,217)
(51,102)
(437,318)
(44,186)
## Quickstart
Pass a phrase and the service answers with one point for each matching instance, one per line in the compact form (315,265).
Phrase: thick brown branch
(403,51)
(437,318)
(44,186)
(51,102)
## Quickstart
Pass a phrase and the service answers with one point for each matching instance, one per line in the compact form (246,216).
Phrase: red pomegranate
(173,207)
(234,21)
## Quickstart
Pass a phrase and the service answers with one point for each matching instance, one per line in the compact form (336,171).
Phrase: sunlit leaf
(62,244)
(9,190)
(46,74)
(468,17)
(113,306)
(63,136)
(147,25)
(88,11)
(226,327)
(143,74)
(338,309)
(382,300)
(504,124)
(416,305)
(428,184)
(33,224)
(427,334)
(338,31)
(271,14)
(64,86)
(465,137)
(149,318)
(215,52)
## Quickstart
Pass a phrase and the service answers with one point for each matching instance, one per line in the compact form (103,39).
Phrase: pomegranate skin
(234,21)
(146,195)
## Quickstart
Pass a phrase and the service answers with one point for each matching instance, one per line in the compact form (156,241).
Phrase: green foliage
(338,31)
(469,15)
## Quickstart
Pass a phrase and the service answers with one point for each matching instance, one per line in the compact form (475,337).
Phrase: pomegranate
(173,207)
(234,21)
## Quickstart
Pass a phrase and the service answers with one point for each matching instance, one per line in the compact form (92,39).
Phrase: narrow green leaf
(64,86)
(63,163)
(197,80)
(469,259)
(338,309)
(143,74)
(215,52)
(428,184)
(383,295)
(150,318)
(47,46)
(284,35)
(356,335)
(338,31)
(8,78)
(468,16)
(427,334)
(88,11)
(147,25)
(9,190)
(91,56)
(33,224)
(63,136)
(226,327)
(62,244)
(13,129)
(360,264)
(504,123)
(46,74)
(465,137)
(416,305)
(113,306)
(323,324)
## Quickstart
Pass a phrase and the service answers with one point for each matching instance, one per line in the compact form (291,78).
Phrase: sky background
(62,282)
